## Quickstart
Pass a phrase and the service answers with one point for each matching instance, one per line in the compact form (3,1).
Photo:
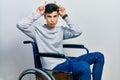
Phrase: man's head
(51,14)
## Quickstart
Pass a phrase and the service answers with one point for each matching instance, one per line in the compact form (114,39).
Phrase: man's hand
(41,10)
(62,11)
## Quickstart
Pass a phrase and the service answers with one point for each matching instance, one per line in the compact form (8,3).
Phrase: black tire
(35,74)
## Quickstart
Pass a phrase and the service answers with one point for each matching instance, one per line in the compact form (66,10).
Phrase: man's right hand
(41,10)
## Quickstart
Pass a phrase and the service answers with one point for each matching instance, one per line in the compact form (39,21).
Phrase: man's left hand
(62,11)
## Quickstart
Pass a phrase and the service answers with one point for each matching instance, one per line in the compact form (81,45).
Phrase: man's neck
(48,27)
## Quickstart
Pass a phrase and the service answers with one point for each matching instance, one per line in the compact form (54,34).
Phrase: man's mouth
(52,23)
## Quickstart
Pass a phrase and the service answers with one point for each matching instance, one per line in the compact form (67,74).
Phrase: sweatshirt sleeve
(72,30)
(26,24)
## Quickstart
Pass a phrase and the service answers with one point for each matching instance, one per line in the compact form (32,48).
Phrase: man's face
(51,19)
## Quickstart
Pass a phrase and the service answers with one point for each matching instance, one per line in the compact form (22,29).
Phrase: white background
(99,20)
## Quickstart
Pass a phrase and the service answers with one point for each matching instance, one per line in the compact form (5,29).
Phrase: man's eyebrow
(48,15)
(55,15)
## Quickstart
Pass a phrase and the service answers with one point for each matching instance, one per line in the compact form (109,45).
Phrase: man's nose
(52,19)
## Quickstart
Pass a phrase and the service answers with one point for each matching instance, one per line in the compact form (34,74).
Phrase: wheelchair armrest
(27,42)
(72,46)
(51,55)
(75,46)
(54,55)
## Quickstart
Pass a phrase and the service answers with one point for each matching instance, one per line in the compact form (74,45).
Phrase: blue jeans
(81,66)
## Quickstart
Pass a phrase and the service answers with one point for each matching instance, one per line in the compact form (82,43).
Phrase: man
(49,38)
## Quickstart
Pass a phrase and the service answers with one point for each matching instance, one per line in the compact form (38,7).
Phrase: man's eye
(55,16)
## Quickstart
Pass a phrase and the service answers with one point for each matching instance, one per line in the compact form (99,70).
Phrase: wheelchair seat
(45,74)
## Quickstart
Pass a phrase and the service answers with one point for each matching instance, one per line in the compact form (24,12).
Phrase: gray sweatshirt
(48,40)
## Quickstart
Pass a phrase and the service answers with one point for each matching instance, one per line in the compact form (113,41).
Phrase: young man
(49,38)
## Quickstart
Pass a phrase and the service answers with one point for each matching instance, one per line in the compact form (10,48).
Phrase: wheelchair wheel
(35,74)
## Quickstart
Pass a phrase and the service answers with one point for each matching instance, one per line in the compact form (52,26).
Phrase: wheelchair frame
(47,73)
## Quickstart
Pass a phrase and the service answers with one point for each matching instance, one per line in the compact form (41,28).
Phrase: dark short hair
(51,7)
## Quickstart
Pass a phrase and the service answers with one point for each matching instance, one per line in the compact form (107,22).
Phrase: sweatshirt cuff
(64,16)
(37,15)
(67,20)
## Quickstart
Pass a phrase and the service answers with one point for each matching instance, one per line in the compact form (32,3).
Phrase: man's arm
(72,30)
(25,25)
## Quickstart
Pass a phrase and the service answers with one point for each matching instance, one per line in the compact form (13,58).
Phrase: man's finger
(55,2)
(45,2)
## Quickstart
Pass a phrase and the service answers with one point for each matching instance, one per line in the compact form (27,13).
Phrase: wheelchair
(38,73)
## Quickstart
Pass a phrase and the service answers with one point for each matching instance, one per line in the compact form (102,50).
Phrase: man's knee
(100,56)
